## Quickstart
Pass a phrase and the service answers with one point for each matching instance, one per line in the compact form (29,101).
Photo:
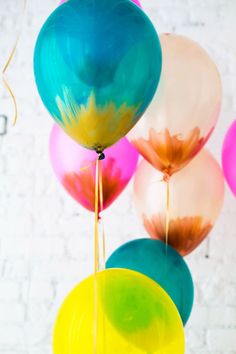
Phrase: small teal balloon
(162,264)
(97,65)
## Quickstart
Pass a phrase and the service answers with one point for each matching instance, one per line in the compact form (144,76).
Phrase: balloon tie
(101,156)
(166,177)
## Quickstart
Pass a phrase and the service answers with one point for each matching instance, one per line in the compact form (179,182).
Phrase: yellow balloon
(134,316)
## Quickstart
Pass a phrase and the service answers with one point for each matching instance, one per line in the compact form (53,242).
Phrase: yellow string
(100,218)
(166,179)
(96,254)
(96,230)
(103,246)
(6,66)
(99,264)
(167,211)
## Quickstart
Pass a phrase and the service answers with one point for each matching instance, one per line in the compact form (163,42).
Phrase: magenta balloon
(134,1)
(74,166)
(229,157)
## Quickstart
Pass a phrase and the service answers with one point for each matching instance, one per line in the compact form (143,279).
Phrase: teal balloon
(97,65)
(162,264)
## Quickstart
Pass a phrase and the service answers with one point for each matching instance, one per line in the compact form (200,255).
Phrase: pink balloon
(229,157)
(134,1)
(74,167)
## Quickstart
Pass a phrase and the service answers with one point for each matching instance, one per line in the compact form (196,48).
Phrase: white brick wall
(46,238)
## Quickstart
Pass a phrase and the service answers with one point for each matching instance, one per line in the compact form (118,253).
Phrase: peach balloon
(185,108)
(196,199)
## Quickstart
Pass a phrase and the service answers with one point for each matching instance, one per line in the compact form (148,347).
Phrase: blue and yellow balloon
(134,316)
(97,65)
(162,264)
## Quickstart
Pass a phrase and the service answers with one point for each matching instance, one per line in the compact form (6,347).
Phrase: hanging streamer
(6,66)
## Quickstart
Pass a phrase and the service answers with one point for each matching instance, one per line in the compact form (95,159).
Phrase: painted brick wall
(46,238)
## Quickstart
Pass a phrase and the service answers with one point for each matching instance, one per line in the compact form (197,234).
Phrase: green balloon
(162,264)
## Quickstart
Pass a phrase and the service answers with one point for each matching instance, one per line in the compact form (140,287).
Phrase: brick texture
(46,238)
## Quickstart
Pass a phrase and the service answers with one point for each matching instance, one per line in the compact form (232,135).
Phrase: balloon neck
(166,177)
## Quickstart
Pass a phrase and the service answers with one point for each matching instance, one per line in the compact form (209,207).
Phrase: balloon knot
(101,156)
(166,177)
(99,151)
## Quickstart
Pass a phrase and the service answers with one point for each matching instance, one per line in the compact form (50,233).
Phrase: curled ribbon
(6,66)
